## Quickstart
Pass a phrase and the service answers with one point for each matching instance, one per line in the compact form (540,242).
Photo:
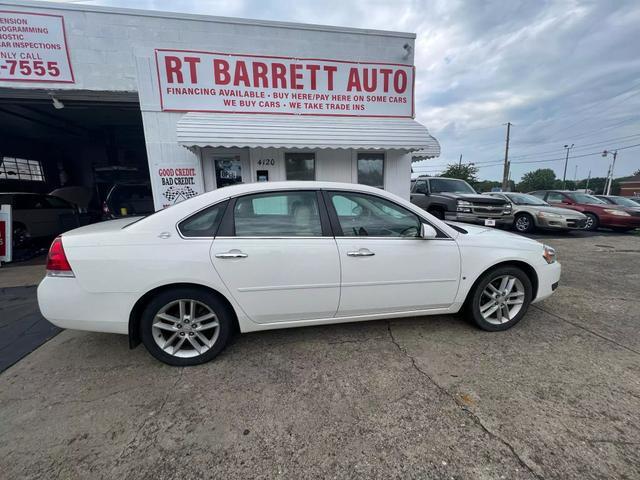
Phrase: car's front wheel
(185,326)
(500,298)
(524,223)
(592,223)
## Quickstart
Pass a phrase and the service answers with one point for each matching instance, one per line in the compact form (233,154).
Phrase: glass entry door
(228,170)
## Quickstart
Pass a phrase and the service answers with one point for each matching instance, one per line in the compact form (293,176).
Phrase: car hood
(473,197)
(487,236)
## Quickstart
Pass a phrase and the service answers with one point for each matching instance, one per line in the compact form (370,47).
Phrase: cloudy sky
(562,72)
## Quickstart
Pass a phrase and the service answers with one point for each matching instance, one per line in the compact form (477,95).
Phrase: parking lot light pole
(609,181)
(566,160)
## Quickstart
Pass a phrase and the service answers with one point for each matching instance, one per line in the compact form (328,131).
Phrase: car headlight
(507,208)
(464,206)
(619,213)
(549,254)
(548,215)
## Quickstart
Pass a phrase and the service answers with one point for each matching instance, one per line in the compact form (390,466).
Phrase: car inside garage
(78,149)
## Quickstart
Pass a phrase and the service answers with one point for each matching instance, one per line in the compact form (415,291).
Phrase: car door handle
(232,254)
(363,252)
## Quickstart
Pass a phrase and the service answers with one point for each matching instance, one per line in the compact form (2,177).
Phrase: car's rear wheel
(592,222)
(524,223)
(500,298)
(185,326)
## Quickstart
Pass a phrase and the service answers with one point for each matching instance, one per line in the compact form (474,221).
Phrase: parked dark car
(124,200)
(599,213)
(38,217)
(623,202)
(455,200)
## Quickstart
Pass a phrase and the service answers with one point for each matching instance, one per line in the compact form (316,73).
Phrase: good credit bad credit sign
(33,48)
(220,82)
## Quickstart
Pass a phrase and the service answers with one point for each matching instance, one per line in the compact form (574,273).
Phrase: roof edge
(204,18)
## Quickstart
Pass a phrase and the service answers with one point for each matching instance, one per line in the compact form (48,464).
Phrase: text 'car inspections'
(219,82)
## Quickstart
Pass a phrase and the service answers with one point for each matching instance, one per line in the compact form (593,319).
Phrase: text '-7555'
(38,68)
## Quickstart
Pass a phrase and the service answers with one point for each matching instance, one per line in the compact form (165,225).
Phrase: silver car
(531,212)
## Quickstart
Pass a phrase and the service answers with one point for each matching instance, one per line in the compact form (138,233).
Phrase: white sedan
(278,255)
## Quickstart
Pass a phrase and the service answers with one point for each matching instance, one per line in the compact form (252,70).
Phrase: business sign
(33,48)
(5,233)
(176,183)
(229,83)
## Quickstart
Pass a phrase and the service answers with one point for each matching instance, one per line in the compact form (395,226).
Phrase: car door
(419,194)
(276,255)
(32,210)
(386,266)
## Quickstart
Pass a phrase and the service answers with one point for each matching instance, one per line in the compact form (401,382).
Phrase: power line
(578,147)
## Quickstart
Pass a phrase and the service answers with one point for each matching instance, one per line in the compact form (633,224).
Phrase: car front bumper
(548,279)
(561,223)
(501,221)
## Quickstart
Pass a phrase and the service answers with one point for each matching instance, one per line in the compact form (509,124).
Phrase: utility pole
(505,172)
(606,182)
(460,161)
(575,177)
(587,187)
(610,172)
(566,160)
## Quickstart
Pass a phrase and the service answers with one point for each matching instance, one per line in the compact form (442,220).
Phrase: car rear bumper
(66,304)
(548,279)
(502,221)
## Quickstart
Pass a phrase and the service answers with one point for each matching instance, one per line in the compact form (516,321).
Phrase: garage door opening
(86,148)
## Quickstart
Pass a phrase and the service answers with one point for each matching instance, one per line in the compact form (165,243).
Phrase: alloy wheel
(523,223)
(502,299)
(185,328)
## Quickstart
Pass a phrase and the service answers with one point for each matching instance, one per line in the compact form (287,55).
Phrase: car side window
(29,202)
(278,214)
(540,195)
(205,223)
(55,202)
(555,197)
(362,215)
(421,187)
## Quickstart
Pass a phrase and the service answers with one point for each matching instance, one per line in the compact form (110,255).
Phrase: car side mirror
(427,232)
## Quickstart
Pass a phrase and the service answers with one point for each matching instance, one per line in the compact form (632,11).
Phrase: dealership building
(94,96)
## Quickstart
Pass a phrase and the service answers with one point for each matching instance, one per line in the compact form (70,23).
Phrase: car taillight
(57,263)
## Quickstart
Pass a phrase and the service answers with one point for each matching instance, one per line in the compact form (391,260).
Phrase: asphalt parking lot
(557,396)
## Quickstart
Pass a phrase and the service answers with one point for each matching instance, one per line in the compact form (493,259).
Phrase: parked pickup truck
(455,200)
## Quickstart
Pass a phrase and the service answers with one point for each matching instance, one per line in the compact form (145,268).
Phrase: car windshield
(438,185)
(584,198)
(625,202)
(525,199)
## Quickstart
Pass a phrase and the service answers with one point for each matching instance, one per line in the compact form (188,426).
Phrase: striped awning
(296,131)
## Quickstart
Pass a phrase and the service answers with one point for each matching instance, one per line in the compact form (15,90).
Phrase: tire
(593,222)
(182,332)
(21,236)
(437,212)
(524,223)
(522,290)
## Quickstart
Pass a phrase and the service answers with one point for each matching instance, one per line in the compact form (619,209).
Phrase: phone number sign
(33,48)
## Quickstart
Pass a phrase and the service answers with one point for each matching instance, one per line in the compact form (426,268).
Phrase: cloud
(560,71)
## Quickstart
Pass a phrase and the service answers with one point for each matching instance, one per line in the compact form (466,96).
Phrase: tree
(540,179)
(465,172)
(636,173)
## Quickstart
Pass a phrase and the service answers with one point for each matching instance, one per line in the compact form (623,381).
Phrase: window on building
(286,214)
(300,166)
(21,169)
(371,169)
